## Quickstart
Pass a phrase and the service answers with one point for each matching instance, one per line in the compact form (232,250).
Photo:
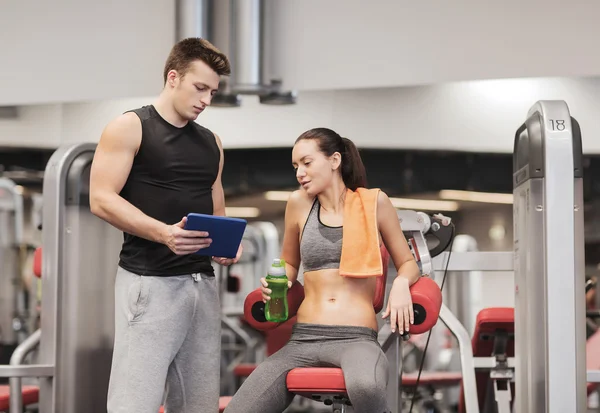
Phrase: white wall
(467,116)
(37,126)
(338,44)
(74,50)
(78,50)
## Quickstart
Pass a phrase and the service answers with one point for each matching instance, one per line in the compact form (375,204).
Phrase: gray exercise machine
(548,369)
(77,312)
(12,305)
(549,262)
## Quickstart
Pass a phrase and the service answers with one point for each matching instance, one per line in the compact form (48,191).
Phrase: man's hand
(182,241)
(229,261)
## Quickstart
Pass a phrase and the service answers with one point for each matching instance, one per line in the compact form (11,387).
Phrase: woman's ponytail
(353,169)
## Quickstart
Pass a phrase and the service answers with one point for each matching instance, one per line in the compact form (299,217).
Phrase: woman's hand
(266,292)
(399,307)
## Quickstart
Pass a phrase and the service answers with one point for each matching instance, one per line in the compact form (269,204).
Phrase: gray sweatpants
(167,342)
(354,349)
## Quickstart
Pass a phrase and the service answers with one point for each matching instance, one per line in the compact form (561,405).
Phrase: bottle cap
(277,268)
(278,262)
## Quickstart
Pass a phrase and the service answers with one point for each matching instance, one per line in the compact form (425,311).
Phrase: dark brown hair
(194,48)
(353,170)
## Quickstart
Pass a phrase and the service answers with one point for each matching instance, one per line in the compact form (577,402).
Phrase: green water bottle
(276,309)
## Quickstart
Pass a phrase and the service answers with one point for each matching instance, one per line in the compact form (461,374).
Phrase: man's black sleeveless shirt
(171,176)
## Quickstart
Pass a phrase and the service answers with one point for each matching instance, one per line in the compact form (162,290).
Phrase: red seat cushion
(490,321)
(321,380)
(31,395)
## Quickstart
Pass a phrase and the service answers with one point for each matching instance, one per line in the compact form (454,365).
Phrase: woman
(336,322)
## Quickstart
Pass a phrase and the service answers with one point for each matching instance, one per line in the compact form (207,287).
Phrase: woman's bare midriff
(335,300)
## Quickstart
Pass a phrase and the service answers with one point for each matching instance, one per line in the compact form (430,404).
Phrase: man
(153,166)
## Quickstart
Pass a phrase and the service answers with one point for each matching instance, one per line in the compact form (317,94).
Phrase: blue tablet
(226,233)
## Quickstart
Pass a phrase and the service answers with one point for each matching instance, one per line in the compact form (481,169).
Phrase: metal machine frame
(13,309)
(548,261)
(549,270)
(77,320)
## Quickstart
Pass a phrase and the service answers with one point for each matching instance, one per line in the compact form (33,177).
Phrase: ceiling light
(242,212)
(405,203)
(424,204)
(470,196)
(277,195)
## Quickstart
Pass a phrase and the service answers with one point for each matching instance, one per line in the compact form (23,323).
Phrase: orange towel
(361,254)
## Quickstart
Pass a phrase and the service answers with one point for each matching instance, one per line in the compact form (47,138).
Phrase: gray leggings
(354,349)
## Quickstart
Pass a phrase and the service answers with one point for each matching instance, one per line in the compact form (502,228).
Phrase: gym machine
(79,266)
(326,384)
(532,356)
(549,269)
(12,291)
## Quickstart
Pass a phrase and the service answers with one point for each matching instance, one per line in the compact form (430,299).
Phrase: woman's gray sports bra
(320,245)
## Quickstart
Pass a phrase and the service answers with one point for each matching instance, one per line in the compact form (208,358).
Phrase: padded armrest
(254,308)
(427,303)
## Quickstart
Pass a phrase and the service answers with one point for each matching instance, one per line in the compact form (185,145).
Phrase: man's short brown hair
(194,48)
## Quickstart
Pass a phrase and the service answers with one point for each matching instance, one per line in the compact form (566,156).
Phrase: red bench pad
(309,381)
(320,380)
(489,322)
(31,395)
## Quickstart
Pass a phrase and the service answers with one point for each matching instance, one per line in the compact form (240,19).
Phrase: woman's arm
(290,250)
(399,307)
(395,241)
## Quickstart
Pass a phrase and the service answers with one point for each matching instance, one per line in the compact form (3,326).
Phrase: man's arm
(218,198)
(218,194)
(112,163)
(395,241)
(111,166)
(290,250)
